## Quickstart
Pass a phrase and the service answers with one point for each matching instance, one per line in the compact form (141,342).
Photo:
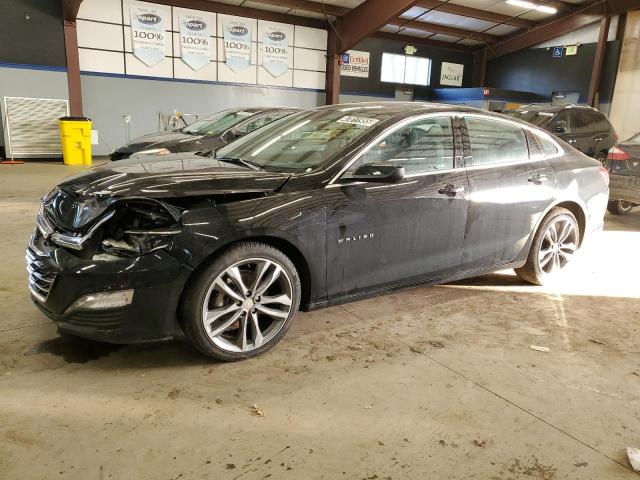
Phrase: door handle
(538,178)
(598,139)
(451,190)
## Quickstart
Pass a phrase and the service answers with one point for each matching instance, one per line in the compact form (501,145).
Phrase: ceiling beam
(70,9)
(578,18)
(366,19)
(308,6)
(444,29)
(476,13)
(236,10)
(423,41)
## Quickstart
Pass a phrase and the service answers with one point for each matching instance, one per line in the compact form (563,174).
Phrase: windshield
(218,122)
(635,139)
(304,141)
(536,117)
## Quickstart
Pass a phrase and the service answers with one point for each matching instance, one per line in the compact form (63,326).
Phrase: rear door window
(495,142)
(561,121)
(582,122)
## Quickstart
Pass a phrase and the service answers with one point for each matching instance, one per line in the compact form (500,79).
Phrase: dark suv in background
(583,127)
(623,163)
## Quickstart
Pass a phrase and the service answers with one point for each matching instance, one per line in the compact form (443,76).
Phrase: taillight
(605,174)
(616,153)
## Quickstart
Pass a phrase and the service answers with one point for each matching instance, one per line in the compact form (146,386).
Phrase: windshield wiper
(239,161)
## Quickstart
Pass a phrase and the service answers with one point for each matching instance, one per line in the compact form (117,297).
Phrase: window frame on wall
(404,69)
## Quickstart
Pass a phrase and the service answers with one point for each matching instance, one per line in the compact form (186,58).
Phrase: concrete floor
(431,382)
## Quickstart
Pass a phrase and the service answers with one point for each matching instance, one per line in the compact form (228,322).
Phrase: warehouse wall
(32,60)
(107,99)
(625,109)
(38,40)
(536,70)
(359,89)
(115,83)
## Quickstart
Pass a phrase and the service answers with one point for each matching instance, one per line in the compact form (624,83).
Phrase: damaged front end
(128,227)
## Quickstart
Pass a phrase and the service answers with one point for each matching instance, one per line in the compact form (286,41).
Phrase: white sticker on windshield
(245,114)
(365,122)
(545,114)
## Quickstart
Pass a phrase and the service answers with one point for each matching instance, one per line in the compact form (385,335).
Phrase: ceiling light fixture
(532,6)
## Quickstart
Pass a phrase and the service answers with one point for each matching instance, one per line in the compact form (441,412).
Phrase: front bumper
(57,278)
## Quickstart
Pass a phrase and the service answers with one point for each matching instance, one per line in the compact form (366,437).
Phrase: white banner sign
(355,64)
(451,74)
(237,43)
(275,48)
(195,41)
(147,32)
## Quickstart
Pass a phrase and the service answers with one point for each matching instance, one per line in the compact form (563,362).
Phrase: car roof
(396,108)
(554,107)
(266,109)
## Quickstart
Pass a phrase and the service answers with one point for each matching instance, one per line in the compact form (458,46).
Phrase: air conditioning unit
(30,126)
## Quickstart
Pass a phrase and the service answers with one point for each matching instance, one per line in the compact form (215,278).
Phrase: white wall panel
(284,80)
(306,59)
(182,70)
(305,79)
(102,10)
(101,61)
(161,69)
(308,37)
(104,36)
(225,74)
(253,21)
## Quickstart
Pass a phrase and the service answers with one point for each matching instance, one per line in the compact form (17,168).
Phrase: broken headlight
(140,227)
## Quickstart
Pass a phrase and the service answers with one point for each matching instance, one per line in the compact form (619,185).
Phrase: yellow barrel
(75,136)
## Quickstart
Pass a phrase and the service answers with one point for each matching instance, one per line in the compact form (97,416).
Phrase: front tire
(555,242)
(242,303)
(619,207)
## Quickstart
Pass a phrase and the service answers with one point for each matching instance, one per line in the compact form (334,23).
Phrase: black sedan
(623,162)
(207,134)
(325,206)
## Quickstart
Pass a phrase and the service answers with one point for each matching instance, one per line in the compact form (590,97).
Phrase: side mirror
(379,173)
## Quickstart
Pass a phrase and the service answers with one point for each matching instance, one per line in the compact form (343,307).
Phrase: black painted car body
(623,162)
(585,128)
(150,225)
(209,133)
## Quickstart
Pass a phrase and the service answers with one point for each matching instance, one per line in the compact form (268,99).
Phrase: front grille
(40,280)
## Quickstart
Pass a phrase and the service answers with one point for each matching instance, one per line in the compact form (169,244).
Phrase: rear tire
(555,242)
(619,207)
(242,303)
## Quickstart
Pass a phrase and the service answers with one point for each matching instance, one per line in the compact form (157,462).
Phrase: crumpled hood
(175,141)
(80,199)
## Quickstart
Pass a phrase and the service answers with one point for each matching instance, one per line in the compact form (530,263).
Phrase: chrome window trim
(386,132)
(413,175)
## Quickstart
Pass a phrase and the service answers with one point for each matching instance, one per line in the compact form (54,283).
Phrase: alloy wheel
(559,244)
(247,305)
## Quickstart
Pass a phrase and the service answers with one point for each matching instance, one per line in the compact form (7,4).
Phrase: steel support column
(73,67)
(596,72)
(333,69)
